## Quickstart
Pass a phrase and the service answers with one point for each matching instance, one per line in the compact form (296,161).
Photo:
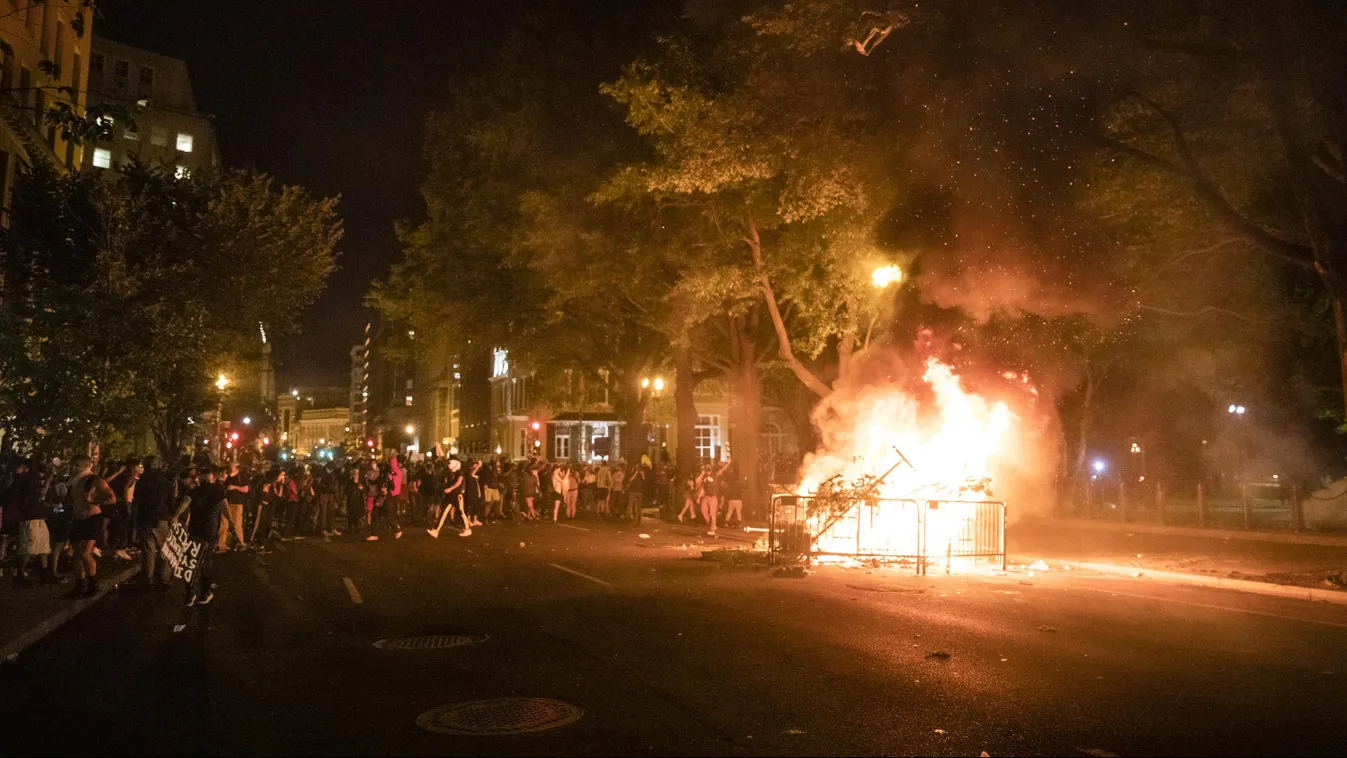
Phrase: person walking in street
(635,492)
(204,506)
(236,492)
(472,494)
(603,487)
(734,496)
(154,509)
(397,496)
(690,499)
(558,490)
(453,499)
(528,489)
(120,515)
(89,494)
(709,483)
(34,539)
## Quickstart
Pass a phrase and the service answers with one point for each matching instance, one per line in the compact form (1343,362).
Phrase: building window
(409,401)
(523,443)
(96,62)
(159,136)
(772,439)
(184,142)
(102,158)
(146,79)
(563,445)
(708,436)
(121,72)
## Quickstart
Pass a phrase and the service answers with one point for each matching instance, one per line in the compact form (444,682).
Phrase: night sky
(331,94)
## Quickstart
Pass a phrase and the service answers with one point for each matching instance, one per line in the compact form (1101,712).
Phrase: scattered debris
(794,731)
(791,572)
(1039,565)
(941,731)
(1066,567)
(1003,660)
(939,655)
(985,754)
(886,589)
(521,544)
(11,657)
(178,628)
(643,536)
(1046,628)
(1136,574)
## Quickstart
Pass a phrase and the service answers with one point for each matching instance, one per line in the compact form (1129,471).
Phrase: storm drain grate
(430,642)
(501,716)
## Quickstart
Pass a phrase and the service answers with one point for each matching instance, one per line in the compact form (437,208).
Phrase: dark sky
(331,94)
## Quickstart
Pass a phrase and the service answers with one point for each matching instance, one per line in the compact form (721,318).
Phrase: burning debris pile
(910,472)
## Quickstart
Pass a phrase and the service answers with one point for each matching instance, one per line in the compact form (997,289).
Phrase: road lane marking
(352,591)
(579,574)
(568,526)
(1208,606)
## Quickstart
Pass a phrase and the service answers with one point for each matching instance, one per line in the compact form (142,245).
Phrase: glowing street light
(411,429)
(1099,466)
(659,384)
(885,275)
(221,382)
(537,426)
(645,383)
(1237,410)
(247,420)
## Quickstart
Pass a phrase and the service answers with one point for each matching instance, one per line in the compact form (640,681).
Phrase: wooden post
(1201,506)
(1297,515)
(1160,501)
(1244,501)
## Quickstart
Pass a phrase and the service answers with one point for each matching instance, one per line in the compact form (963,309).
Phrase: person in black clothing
(205,506)
(153,504)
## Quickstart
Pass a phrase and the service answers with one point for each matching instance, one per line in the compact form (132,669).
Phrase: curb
(1201,580)
(54,622)
(1141,527)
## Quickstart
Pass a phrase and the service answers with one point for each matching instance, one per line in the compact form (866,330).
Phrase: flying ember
(908,474)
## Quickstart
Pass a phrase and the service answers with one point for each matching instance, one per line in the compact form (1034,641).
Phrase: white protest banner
(181,552)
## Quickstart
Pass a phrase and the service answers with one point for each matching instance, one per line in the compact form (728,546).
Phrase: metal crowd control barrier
(891,530)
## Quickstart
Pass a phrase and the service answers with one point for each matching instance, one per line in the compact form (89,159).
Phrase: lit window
(102,158)
(409,400)
(563,445)
(707,436)
(182,172)
(159,136)
(184,142)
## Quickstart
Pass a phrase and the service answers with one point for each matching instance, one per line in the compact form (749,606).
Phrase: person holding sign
(204,506)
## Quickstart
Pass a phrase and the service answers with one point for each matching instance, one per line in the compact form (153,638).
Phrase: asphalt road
(670,654)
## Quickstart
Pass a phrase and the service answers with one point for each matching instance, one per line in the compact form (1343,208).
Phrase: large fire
(926,461)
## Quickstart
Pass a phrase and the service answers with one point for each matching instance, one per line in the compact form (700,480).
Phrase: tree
(126,296)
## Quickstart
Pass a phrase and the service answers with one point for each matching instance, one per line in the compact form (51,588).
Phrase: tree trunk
(1340,319)
(685,384)
(746,417)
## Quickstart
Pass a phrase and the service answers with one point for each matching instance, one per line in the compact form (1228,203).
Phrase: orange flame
(945,447)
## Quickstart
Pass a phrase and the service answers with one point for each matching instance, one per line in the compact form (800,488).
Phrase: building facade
(36,33)
(169,130)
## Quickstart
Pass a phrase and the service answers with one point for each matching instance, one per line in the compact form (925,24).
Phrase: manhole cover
(430,642)
(506,715)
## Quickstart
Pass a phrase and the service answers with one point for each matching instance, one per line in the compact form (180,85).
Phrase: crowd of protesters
(59,517)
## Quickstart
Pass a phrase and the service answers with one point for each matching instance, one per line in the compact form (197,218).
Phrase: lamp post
(653,388)
(221,382)
(1237,411)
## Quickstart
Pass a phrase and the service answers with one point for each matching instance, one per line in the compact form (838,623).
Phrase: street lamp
(883,276)
(221,382)
(247,420)
(410,429)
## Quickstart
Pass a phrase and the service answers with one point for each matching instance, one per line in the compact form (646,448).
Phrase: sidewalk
(1310,561)
(30,614)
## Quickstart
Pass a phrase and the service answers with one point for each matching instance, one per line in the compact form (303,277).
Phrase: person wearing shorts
(89,494)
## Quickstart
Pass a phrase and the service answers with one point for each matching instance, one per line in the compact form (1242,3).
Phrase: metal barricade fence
(896,530)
